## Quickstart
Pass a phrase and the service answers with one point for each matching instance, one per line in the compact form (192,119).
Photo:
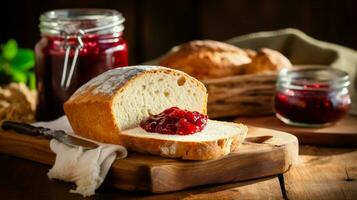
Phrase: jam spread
(311,106)
(175,121)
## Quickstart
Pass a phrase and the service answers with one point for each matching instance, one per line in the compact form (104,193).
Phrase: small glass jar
(76,45)
(312,96)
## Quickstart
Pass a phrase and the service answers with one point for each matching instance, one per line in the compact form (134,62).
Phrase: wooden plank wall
(153,26)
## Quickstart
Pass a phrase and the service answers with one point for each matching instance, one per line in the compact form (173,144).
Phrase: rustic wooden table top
(323,173)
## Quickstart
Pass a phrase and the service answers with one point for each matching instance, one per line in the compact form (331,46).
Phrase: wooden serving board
(343,133)
(264,153)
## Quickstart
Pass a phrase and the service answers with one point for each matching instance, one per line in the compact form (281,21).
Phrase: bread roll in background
(266,61)
(206,59)
(239,81)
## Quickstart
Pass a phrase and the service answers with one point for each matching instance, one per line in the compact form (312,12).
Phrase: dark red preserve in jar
(312,96)
(76,45)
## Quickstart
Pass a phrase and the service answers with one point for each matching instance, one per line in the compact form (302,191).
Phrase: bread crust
(94,120)
(91,114)
(266,61)
(205,150)
(206,59)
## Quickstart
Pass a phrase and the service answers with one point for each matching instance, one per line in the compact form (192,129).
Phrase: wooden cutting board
(343,133)
(264,153)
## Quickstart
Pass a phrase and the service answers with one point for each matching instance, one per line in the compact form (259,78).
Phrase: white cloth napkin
(87,169)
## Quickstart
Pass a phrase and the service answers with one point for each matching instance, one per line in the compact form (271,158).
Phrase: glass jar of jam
(76,45)
(312,96)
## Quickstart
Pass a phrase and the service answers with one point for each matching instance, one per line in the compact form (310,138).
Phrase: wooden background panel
(327,20)
(20,18)
(153,27)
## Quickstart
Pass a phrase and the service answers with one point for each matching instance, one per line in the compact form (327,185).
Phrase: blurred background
(153,27)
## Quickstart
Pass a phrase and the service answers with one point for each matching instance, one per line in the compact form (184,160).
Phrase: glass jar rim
(314,77)
(86,20)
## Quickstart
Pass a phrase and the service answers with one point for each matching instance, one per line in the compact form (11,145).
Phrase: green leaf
(32,80)
(18,76)
(9,49)
(24,60)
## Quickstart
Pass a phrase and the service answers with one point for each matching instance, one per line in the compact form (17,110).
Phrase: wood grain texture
(343,133)
(156,174)
(265,188)
(35,185)
(324,173)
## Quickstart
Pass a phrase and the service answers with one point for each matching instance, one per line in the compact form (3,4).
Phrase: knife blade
(59,135)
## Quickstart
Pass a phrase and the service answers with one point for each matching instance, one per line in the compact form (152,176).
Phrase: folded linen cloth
(87,169)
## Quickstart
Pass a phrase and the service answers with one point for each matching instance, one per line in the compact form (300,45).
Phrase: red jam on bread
(175,121)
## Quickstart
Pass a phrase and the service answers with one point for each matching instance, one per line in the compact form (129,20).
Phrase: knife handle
(24,128)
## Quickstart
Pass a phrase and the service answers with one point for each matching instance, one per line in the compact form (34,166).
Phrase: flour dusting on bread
(107,82)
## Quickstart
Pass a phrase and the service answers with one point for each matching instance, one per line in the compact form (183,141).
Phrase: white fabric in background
(87,169)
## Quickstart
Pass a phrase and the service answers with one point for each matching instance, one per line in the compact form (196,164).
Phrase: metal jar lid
(100,21)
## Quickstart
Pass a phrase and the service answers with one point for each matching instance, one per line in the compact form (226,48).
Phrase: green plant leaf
(18,76)
(32,80)
(24,60)
(9,49)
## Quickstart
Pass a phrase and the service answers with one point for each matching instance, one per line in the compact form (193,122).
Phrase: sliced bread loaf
(121,98)
(217,139)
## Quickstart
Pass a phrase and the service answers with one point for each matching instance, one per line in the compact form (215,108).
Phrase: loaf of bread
(110,107)
(266,61)
(121,98)
(206,59)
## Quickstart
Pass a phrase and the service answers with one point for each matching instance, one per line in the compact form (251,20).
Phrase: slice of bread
(217,139)
(121,98)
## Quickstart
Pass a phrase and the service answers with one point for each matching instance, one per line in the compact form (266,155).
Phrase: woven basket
(241,95)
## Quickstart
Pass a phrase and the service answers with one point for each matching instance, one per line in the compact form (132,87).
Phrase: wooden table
(323,173)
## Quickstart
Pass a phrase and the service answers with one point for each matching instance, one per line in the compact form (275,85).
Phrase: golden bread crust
(93,119)
(266,61)
(205,59)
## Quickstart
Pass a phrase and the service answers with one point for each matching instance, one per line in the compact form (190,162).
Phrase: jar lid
(71,21)
(313,78)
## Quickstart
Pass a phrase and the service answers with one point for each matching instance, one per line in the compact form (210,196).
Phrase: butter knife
(59,135)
